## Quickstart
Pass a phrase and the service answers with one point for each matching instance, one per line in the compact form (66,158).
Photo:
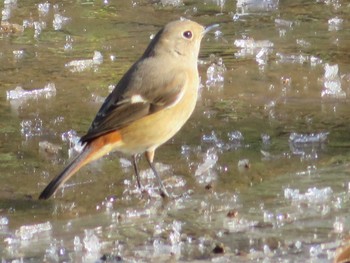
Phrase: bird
(149,104)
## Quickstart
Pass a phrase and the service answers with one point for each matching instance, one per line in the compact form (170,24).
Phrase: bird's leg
(136,169)
(149,157)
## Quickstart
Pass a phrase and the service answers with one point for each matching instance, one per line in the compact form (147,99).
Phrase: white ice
(27,232)
(19,93)
(311,196)
(73,139)
(85,64)
(215,73)
(204,171)
(59,21)
(335,24)
(301,138)
(43,8)
(250,47)
(91,241)
(332,83)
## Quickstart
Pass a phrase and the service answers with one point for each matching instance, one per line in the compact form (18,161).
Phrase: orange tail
(92,151)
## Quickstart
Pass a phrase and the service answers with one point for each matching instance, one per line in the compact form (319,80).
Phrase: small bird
(148,106)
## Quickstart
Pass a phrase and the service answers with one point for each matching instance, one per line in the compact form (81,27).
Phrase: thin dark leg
(136,169)
(163,191)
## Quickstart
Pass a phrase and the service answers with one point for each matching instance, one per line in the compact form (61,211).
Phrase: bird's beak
(208,28)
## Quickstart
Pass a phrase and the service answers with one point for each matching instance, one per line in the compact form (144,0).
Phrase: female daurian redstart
(148,106)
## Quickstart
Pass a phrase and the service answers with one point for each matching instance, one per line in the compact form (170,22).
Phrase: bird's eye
(187,34)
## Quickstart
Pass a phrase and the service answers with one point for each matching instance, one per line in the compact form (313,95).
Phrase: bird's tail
(93,150)
(79,161)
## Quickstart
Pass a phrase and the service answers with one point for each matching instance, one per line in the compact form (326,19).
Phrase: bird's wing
(138,94)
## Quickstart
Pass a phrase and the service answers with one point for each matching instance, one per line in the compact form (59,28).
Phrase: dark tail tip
(49,190)
(72,168)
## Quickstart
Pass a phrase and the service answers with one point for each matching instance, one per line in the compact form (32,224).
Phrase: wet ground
(261,169)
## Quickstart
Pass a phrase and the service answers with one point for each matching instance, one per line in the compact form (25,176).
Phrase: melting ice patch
(85,64)
(215,73)
(19,93)
(332,83)
(258,48)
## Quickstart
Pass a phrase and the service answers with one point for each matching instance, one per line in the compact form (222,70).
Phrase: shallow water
(261,168)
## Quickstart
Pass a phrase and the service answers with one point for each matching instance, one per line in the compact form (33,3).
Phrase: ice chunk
(175,238)
(172,2)
(332,83)
(262,56)
(59,21)
(315,251)
(3,221)
(78,246)
(38,28)
(307,145)
(253,44)
(311,196)
(236,139)
(265,138)
(18,54)
(238,224)
(30,128)
(283,22)
(27,232)
(298,59)
(303,43)
(335,24)
(300,138)
(85,64)
(43,8)
(215,73)
(251,47)
(73,139)
(19,93)
(69,43)
(91,241)
(248,6)
(97,58)
(235,136)
(10,2)
(203,171)
(339,225)
(314,61)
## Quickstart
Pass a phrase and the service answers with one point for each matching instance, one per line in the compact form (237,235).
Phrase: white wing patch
(137,99)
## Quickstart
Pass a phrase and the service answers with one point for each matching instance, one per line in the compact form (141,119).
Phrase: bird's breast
(155,129)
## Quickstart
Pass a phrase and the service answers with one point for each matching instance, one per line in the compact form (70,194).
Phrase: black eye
(187,34)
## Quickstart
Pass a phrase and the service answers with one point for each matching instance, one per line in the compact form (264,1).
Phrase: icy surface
(19,93)
(31,128)
(311,196)
(332,82)
(283,22)
(172,2)
(91,241)
(249,6)
(27,232)
(258,48)
(43,8)
(300,138)
(204,171)
(59,21)
(215,74)
(85,64)
(335,24)
(18,54)
(73,139)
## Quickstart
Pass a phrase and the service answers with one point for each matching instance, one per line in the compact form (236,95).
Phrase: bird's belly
(153,130)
